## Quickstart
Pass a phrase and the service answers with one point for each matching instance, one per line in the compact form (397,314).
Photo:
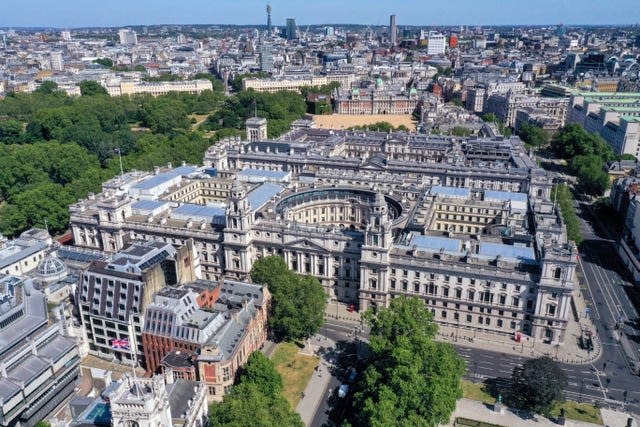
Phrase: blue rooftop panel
(450,191)
(213,214)
(160,179)
(520,253)
(505,195)
(436,243)
(275,175)
(261,195)
(148,205)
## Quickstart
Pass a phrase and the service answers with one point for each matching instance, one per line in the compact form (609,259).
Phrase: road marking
(595,306)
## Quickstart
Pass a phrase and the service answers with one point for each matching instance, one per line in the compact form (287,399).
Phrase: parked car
(351,375)
(343,390)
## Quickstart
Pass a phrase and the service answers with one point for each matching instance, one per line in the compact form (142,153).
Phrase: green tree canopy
(106,62)
(591,175)
(533,135)
(461,131)
(11,132)
(411,380)
(256,400)
(47,88)
(261,371)
(379,127)
(573,140)
(537,385)
(562,194)
(298,302)
(91,88)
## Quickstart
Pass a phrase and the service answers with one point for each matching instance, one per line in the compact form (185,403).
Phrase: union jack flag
(120,344)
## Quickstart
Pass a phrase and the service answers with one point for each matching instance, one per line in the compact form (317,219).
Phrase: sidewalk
(339,311)
(316,390)
(479,411)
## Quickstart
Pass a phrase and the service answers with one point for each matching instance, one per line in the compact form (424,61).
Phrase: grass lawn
(579,412)
(200,118)
(296,370)
(475,391)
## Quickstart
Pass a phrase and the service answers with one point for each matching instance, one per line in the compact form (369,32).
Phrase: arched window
(557,273)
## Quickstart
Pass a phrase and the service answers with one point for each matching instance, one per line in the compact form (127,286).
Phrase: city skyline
(66,14)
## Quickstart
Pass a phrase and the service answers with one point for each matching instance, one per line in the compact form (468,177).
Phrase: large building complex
(119,88)
(39,364)
(467,224)
(296,83)
(376,100)
(614,115)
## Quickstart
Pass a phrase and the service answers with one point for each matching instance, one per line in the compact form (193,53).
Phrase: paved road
(586,383)
(322,414)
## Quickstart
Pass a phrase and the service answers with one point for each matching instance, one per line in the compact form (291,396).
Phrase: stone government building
(467,224)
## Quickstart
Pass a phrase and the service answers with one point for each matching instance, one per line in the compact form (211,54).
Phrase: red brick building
(205,331)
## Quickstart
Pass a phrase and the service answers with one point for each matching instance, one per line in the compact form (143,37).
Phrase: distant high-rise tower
(291,29)
(266,59)
(128,37)
(57,63)
(393,30)
(269,19)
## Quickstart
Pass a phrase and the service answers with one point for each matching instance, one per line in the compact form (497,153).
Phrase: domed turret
(51,269)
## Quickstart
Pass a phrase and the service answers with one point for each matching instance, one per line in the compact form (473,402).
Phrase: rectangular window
(469,318)
(500,323)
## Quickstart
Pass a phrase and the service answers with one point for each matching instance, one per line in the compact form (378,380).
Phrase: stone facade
(467,224)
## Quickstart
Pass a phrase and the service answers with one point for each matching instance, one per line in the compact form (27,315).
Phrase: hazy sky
(78,13)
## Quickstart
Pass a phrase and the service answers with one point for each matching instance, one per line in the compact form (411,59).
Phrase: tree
(247,406)
(573,140)
(533,135)
(563,196)
(43,424)
(260,370)
(537,385)
(591,174)
(47,88)
(461,131)
(11,132)
(256,400)
(297,302)
(91,88)
(411,379)
(106,62)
